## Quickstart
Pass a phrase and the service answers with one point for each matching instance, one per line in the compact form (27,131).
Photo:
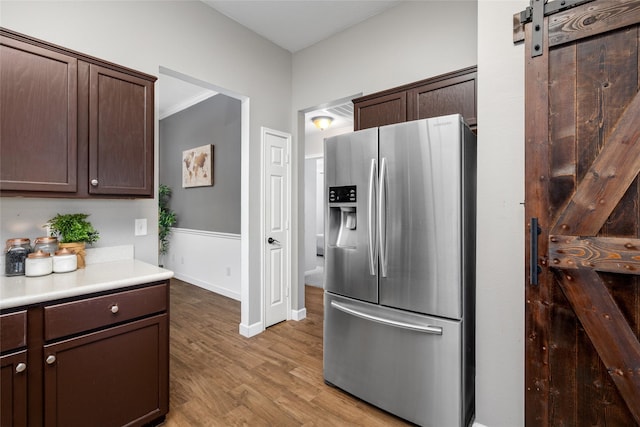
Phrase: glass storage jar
(38,263)
(45,244)
(15,254)
(64,261)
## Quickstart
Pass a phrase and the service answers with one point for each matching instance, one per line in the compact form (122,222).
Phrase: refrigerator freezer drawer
(408,364)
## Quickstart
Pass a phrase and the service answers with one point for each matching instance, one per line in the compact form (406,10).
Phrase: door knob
(271,241)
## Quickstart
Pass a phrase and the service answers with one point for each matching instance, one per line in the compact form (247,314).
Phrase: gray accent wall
(216,121)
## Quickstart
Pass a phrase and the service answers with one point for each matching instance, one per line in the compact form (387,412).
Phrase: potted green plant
(166,218)
(73,232)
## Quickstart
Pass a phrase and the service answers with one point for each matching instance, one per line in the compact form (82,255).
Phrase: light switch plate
(141,227)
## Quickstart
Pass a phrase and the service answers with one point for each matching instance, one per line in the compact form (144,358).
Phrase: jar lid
(64,251)
(39,254)
(46,240)
(18,241)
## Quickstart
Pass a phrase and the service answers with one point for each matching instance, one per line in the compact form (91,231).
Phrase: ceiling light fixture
(322,122)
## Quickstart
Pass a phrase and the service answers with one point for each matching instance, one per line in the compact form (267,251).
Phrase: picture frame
(197,167)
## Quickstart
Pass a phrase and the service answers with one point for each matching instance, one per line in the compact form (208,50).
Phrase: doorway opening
(341,111)
(209,244)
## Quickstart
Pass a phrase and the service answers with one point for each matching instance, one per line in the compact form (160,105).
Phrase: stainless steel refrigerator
(399,325)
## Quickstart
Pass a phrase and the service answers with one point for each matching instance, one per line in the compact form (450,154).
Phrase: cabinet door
(114,377)
(38,106)
(455,95)
(13,389)
(380,111)
(120,133)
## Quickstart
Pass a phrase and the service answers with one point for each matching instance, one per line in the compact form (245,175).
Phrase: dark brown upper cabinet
(39,109)
(120,133)
(445,94)
(380,110)
(72,125)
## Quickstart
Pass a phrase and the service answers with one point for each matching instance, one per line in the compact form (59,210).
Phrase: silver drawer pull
(94,182)
(21,367)
(114,308)
(51,359)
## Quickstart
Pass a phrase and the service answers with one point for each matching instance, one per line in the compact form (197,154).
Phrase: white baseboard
(314,271)
(208,286)
(251,330)
(299,314)
(206,259)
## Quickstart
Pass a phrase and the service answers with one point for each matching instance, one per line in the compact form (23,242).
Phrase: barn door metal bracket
(535,14)
(534,268)
(537,22)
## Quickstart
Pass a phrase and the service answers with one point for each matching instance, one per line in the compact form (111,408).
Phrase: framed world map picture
(197,170)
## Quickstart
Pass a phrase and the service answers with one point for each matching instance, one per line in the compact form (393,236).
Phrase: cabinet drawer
(91,313)
(13,331)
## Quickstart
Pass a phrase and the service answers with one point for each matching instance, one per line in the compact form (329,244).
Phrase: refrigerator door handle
(373,246)
(427,329)
(382,217)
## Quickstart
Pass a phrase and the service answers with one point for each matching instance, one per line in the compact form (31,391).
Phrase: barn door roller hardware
(536,13)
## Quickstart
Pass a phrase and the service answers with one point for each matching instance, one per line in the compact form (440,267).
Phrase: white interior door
(276,260)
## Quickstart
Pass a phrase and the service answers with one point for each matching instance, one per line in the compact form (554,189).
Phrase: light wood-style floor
(220,378)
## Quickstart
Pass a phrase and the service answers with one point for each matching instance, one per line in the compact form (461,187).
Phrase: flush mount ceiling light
(322,122)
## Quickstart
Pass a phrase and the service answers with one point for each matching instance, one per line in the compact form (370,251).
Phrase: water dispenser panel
(345,194)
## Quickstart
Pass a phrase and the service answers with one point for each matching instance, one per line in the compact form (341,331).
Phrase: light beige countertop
(102,273)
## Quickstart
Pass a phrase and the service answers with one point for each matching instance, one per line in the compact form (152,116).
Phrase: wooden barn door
(583,257)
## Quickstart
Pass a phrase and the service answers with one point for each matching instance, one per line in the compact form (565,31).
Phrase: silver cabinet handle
(427,329)
(94,182)
(21,367)
(51,359)
(371,219)
(115,308)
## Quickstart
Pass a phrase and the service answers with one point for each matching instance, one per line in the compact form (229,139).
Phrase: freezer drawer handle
(435,330)
(373,247)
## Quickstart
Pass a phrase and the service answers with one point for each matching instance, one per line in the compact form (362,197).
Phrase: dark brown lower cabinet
(114,377)
(13,389)
(94,360)
(13,369)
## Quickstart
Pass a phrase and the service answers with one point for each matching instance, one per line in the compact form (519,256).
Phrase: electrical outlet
(228,271)
(141,227)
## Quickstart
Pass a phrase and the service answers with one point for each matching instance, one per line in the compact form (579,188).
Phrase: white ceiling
(175,95)
(290,24)
(297,24)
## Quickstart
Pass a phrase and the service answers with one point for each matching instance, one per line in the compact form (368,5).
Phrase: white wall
(185,36)
(310,214)
(410,42)
(501,224)
(313,210)
(314,142)
(208,259)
